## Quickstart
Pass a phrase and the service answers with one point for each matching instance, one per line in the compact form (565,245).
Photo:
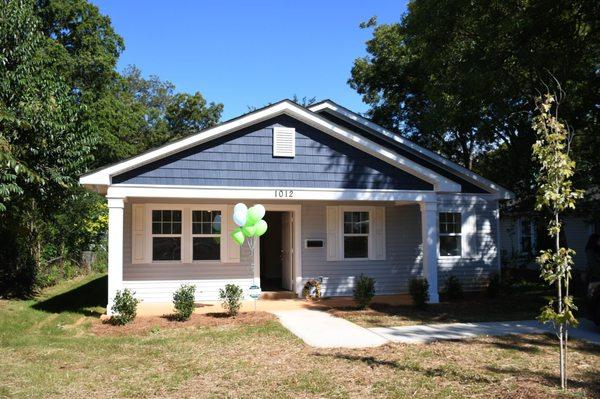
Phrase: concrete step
(274,295)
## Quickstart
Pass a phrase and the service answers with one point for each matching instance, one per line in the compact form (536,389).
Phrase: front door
(287,251)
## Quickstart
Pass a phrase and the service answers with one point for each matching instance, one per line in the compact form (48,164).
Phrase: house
(523,231)
(343,196)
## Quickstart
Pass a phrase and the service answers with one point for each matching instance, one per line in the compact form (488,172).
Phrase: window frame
(208,208)
(151,235)
(369,235)
(459,235)
(532,234)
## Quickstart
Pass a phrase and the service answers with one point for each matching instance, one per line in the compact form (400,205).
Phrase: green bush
(494,285)
(364,291)
(453,288)
(419,291)
(124,307)
(183,301)
(231,298)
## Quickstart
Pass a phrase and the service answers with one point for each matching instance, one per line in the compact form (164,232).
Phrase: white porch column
(429,232)
(115,249)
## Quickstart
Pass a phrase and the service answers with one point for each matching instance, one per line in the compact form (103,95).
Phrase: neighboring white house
(343,196)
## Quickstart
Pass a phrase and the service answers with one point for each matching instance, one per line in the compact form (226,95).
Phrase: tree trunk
(561,327)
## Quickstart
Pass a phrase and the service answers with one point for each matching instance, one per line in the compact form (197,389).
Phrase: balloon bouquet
(250,225)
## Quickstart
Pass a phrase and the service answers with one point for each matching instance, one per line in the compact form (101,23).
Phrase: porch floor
(271,305)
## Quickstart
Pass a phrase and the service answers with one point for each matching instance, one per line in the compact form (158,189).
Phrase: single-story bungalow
(343,197)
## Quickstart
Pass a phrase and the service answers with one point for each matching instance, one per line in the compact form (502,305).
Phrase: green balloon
(248,230)
(260,228)
(252,217)
(238,236)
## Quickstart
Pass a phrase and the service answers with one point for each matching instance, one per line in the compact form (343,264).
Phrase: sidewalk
(586,331)
(322,330)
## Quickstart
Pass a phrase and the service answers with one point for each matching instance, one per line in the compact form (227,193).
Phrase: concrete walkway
(586,331)
(322,330)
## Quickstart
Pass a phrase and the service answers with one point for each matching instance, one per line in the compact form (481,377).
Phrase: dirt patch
(143,325)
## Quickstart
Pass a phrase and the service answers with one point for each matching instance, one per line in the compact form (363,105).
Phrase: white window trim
(203,207)
(461,235)
(186,231)
(150,235)
(368,209)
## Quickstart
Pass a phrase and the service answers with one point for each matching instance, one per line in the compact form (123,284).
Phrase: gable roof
(396,140)
(103,176)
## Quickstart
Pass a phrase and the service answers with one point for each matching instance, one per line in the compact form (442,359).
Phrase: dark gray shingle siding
(405,151)
(244,158)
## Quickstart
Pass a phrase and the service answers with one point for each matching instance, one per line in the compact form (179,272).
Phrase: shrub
(419,291)
(453,288)
(231,298)
(364,291)
(494,285)
(183,301)
(124,307)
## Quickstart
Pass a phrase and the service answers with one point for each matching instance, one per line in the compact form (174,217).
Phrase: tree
(555,192)
(187,114)
(457,76)
(45,144)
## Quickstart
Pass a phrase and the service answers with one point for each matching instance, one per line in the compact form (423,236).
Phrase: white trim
(430,248)
(474,178)
(265,193)
(115,249)
(103,176)
(222,247)
(342,235)
(296,211)
(461,234)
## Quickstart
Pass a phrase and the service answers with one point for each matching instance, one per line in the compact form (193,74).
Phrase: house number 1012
(284,193)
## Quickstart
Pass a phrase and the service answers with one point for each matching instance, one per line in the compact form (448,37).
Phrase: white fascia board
(476,179)
(264,193)
(103,176)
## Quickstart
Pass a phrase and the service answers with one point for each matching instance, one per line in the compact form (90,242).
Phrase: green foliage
(124,307)
(555,192)
(453,288)
(494,285)
(364,291)
(419,292)
(183,301)
(458,77)
(231,298)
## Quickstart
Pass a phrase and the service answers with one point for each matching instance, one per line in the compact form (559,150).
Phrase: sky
(249,53)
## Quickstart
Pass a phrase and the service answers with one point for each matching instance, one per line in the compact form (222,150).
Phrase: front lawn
(523,303)
(55,348)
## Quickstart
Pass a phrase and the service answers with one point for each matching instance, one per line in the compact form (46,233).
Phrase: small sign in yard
(254,291)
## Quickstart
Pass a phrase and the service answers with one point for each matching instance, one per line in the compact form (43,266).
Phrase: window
(356,235)
(166,235)
(206,235)
(450,234)
(527,236)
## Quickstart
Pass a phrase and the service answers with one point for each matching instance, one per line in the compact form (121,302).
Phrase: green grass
(49,348)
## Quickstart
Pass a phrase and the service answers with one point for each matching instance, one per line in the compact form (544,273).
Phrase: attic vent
(284,142)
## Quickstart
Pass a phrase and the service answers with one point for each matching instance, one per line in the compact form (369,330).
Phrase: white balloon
(239,217)
(241,208)
(260,210)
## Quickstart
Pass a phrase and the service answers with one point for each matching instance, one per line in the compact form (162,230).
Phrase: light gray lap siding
(403,253)
(245,158)
(473,272)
